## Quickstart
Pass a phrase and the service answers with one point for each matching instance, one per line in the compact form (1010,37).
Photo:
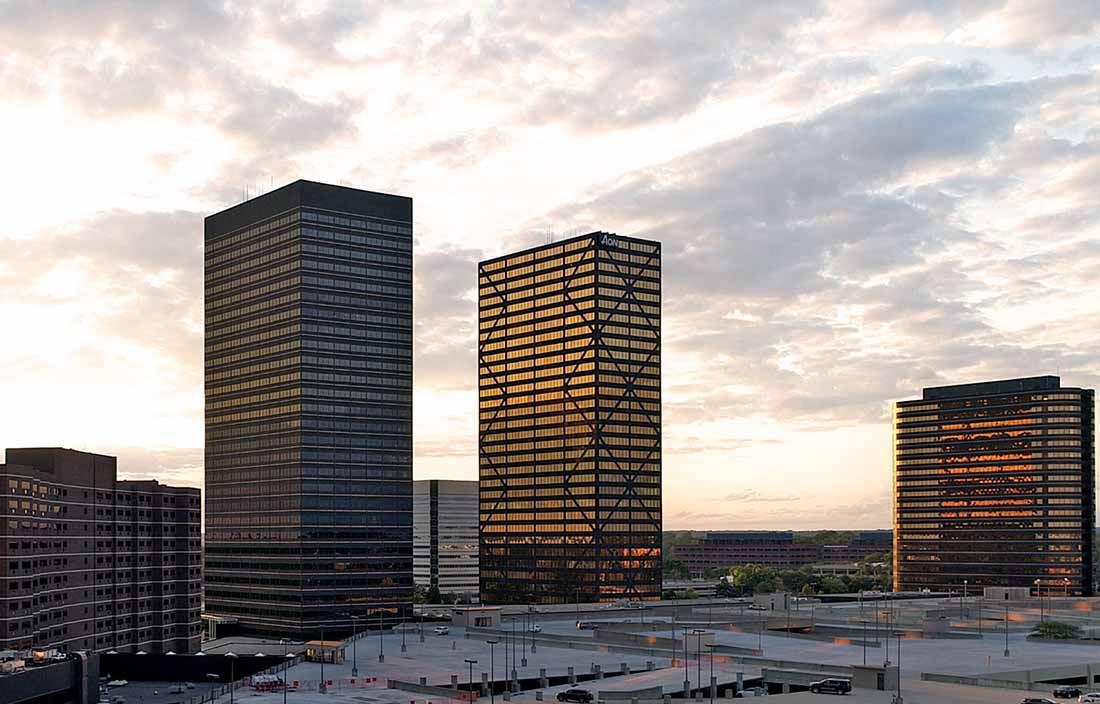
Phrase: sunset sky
(855,199)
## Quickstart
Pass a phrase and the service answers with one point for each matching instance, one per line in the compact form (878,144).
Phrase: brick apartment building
(88,562)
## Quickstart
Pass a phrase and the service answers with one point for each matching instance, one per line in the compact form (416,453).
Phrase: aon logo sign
(608,241)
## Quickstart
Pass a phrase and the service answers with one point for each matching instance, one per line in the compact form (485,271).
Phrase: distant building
(570,421)
(994,487)
(864,544)
(88,562)
(720,550)
(445,536)
(309,409)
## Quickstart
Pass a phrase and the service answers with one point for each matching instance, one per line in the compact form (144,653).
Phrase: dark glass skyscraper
(309,408)
(993,486)
(569,359)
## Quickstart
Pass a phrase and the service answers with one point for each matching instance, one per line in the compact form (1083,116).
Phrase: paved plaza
(440,658)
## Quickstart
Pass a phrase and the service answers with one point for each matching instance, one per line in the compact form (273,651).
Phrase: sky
(855,200)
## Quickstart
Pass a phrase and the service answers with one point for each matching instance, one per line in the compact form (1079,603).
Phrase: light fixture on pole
(492,671)
(354,647)
(471,663)
(232,675)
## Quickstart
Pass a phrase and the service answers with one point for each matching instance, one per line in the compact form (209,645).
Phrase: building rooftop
(987,388)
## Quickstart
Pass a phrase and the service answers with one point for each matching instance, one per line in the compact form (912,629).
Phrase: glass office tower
(570,422)
(993,486)
(309,409)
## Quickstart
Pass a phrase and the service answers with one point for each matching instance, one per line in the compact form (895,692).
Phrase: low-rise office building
(720,550)
(88,562)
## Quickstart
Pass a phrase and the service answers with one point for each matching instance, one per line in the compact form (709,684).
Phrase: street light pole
(381,639)
(698,657)
(286,671)
(710,647)
(524,641)
(322,688)
(1006,631)
(471,663)
(354,648)
(492,672)
(899,667)
(864,642)
(232,675)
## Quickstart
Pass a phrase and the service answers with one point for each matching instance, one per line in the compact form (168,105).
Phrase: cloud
(854,200)
(754,496)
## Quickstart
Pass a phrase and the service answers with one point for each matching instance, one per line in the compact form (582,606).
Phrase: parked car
(1090,698)
(584,625)
(580,696)
(1037,700)
(831,685)
(442,630)
(1067,692)
(535,628)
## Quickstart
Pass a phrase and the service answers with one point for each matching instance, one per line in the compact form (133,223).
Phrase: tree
(676,569)
(769,585)
(807,589)
(433,596)
(747,578)
(725,590)
(825,537)
(419,594)
(832,585)
(689,593)
(1056,630)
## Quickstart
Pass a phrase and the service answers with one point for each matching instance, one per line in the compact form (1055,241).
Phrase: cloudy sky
(855,199)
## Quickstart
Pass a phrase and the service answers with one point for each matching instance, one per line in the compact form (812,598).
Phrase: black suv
(580,696)
(832,685)
(1067,692)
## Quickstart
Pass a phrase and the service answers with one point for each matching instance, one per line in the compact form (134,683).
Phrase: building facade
(994,487)
(864,544)
(88,562)
(720,550)
(445,537)
(569,358)
(309,409)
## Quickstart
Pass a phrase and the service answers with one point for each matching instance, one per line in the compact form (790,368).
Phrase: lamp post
(232,676)
(981,604)
(864,621)
(492,672)
(523,636)
(687,677)
(962,600)
(710,647)
(286,663)
(760,638)
(381,639)
(698,633)
(287,657)
(1039,593)
(402,634)
(1006,631)
(420,630)
(322,689)
(513,647)
(471,663)
(899,668)
(354,648)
